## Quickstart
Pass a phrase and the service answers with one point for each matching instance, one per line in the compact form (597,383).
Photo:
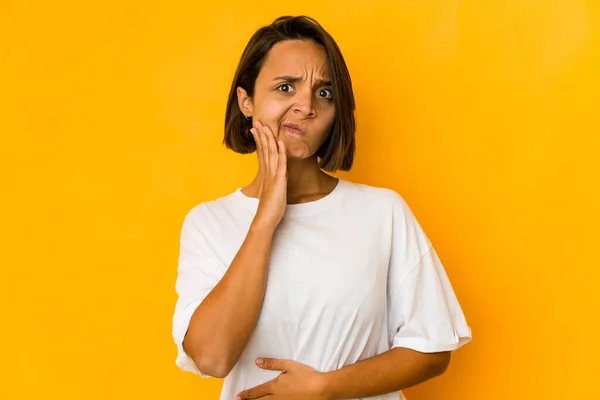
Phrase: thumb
(272,364)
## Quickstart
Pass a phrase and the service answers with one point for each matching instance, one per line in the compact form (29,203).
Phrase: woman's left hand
(296,382)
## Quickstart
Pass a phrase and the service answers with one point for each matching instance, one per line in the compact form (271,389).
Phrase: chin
(298,150)
(294,155)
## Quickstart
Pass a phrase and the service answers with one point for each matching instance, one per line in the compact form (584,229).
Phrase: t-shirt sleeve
(197,275)
(423,311)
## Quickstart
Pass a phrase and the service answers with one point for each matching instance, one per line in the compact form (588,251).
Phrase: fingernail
(259,361)
(238,398)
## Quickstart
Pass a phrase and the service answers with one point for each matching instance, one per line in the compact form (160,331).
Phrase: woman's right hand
(272,171)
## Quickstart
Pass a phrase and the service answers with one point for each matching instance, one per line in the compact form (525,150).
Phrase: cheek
(270,112)
(327,119)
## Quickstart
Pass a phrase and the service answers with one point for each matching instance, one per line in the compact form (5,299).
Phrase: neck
(306,181)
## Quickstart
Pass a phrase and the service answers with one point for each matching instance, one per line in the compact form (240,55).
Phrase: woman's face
(293,96)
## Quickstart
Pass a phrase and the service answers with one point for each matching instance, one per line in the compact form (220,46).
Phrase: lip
(293,128)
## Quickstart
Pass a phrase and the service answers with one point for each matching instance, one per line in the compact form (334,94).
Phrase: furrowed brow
(294,79)
(287,78)
(323,82)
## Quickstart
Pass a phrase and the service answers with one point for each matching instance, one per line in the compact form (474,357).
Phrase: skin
(393,370)
(293,87)
(222,324)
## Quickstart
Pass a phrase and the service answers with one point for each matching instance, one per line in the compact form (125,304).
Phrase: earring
(248,117)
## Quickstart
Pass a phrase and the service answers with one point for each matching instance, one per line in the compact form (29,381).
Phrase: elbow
(212,368)
(210,364)
(206,359)
(438,363)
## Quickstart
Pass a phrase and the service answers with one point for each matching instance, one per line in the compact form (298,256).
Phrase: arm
(394,370)
(222,324)
(220,327)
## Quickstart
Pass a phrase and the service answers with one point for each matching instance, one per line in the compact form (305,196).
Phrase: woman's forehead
(296,58)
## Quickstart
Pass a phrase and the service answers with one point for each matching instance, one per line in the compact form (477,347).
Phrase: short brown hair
(337,152)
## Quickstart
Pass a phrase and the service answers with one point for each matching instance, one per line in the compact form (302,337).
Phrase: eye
(326,93)
(286,87)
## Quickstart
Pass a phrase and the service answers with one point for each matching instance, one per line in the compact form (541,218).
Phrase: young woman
(302,286)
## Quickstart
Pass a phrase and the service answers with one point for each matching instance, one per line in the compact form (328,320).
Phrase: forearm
(394,370)
(221,326)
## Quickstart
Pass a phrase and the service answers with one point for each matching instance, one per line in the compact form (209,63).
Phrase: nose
(305,104)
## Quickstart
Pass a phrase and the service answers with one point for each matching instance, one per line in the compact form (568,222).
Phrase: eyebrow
(294,79)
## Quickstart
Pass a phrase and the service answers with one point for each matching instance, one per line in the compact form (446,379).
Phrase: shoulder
(378,195)
(405,227)
(206,211)
(382,202)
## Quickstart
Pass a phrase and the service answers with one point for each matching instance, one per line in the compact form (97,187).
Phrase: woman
(301,286)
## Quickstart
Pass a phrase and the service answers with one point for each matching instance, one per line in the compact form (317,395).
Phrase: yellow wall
(483,114)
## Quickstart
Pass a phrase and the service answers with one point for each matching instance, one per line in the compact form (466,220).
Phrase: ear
(244,101)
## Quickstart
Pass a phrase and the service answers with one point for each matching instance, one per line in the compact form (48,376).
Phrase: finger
(259,151)
(282,162)
(256,138)
(273,151)
(255,392)
(272,155)
(273,364)
(265,145)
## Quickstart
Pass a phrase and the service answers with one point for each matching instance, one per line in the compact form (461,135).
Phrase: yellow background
(484,115)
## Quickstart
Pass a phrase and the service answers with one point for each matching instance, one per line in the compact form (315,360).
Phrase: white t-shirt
(351,275)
